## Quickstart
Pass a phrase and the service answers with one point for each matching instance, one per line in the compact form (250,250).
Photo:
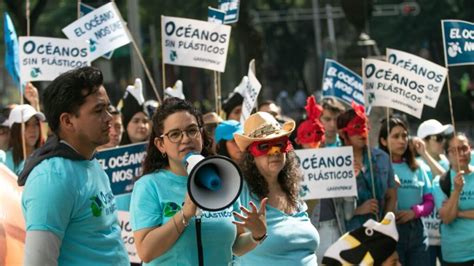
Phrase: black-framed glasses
(176,135)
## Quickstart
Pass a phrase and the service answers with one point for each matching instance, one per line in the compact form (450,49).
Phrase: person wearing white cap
(429,145)
(432,132)
(23,113)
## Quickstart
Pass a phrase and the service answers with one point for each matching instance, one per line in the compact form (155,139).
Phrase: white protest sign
(391,86)
(127,236)
(44,58)
(250,93)
(435,74)
(194,43)
(327,173)
(432,224)
(102,29)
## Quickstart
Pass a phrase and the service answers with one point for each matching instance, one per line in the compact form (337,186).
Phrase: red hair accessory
(260,148)
(358,124)
(311,130)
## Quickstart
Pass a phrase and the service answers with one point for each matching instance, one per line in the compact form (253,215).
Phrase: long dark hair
(222,148)
(16,141)
(342,121)
(383,134)
(154,160)
(288,178)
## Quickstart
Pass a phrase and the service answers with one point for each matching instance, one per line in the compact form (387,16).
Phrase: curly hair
(154,160)
(288,178)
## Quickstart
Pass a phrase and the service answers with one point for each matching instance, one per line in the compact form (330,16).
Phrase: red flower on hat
(311,131)
(358,124)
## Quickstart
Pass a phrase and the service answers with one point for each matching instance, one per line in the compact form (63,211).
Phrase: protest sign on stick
(44,58)
(327,173)
(194,43)
(250,92)
(102,29)
(342,83)
(435,74)
(391,86)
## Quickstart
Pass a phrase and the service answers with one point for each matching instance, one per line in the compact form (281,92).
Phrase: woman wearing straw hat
(270,169)
(162,212)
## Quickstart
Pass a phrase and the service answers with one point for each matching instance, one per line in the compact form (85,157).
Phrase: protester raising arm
(163,225)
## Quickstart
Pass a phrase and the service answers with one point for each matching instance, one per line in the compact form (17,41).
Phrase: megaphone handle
(198,237)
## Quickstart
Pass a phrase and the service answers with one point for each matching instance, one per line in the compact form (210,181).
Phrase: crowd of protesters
(411,175)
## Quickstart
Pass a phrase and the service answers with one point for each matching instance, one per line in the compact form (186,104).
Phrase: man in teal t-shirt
(68,205)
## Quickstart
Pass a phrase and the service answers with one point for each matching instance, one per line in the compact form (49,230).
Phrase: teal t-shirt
(413,185)
(9,163)
(157,196)
(472,158)
(73,200)
(292,239)
(2,156)
(457,239)
(336,143)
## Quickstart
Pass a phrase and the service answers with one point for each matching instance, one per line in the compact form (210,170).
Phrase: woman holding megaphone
(161,209)
(270,170)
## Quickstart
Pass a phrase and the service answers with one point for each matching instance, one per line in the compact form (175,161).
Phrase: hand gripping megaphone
(214,183)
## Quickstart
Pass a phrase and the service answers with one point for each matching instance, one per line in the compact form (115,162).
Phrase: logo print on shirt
(96,206)
(170,209)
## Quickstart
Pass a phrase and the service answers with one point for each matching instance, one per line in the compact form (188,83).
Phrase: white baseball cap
(433,127)
(23,113)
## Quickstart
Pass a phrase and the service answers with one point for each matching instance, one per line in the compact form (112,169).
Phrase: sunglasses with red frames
(260,148)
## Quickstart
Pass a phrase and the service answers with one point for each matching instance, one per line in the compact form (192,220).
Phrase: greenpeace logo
(339,188)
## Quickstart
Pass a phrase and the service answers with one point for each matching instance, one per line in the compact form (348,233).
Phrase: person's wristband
(184,221)
(258,240)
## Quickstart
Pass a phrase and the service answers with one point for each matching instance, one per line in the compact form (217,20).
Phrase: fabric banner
(103,30)
(122,164)
(44,58)
(12,63)
(327,173)
(231,9)
(194,43)
(250,93)
(342,83)
(394,87)
(458,42)
(12,223)
(435,74)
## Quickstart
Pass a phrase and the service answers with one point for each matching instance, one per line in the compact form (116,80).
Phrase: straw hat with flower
(262,126)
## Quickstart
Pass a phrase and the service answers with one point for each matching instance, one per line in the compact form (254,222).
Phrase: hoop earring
(163,155)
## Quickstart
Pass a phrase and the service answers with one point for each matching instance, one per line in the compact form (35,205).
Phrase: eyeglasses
(176,135)
(437,138)
(460,150)
(260,148)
